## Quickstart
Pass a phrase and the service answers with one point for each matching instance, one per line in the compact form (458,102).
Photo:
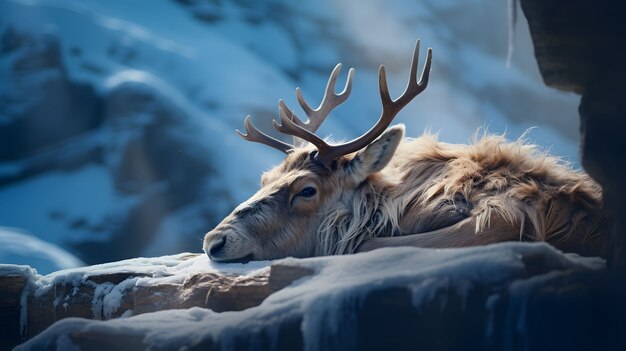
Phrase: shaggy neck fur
(366,215)
(430,185)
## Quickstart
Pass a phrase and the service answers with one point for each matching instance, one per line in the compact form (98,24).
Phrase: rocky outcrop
(505,296)
(38,97)
(30,303)
(579,46)
(135,135)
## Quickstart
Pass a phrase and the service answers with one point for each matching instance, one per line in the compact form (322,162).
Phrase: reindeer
(382,190)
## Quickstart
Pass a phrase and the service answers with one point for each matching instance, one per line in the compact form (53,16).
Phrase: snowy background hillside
(117,118)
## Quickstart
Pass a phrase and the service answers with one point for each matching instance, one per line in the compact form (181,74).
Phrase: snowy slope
(23,249)
(118,116)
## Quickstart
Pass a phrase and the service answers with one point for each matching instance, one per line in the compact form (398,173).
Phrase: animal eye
(307,192)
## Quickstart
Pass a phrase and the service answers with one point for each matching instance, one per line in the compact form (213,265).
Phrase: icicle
(24,311)
(112,301)
(512,23)
(31,286)
(97,302)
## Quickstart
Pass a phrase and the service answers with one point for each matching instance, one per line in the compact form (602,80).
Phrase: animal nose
(216,247)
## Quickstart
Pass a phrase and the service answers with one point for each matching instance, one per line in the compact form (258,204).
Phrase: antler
(327,153)
(330,100)
(255,135)
(315,116)
(292,125)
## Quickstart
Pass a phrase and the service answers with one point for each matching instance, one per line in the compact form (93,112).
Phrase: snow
(249,60)
(8,270)
(328,299)
(19,248)
(107,296)
(99,294)
(54,205)
(171,269)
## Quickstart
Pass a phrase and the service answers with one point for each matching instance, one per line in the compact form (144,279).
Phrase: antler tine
(315,117)
(297,142)
(390,107)
(329,101)
(414,88)
(255,135)
(289,126)
(291,116)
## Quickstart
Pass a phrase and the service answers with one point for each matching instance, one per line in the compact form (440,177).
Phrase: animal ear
(378,153)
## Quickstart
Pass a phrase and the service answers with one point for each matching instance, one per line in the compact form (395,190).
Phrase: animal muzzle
(228,245)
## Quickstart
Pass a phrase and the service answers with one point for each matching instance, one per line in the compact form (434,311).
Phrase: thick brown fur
(429,185)
(427,193)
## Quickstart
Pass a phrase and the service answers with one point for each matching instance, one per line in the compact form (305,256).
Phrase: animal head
(315,178)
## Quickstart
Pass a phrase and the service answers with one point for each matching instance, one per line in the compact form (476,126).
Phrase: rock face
(504,296)
(579,46)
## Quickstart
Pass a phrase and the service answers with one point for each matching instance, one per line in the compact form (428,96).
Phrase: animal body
(382,189)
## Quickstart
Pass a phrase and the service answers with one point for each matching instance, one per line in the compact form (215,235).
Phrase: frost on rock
(125,288)
(480,297)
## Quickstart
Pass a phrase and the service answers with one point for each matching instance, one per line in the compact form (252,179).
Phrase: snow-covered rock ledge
(511,295)
(121,289)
